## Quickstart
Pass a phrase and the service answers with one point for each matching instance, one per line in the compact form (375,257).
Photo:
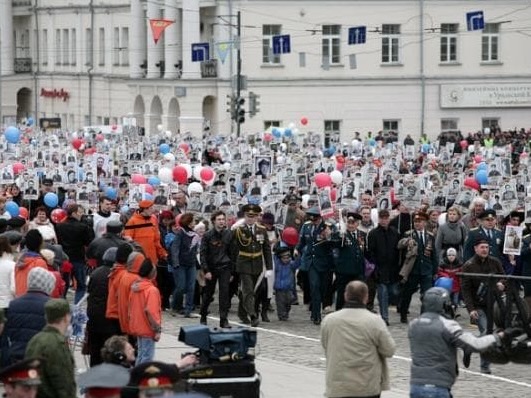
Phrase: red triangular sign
(158,26)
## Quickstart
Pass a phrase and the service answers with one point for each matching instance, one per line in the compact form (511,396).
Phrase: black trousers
(165,284)
(223,276)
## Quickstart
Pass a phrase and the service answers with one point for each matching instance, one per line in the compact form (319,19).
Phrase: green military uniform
(252,251)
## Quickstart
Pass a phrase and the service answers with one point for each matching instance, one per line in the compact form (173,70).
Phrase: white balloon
(336,176)
(195,187)
(160,127)
(471,148)
(304,200)
(226,166)
(296,132)
(105,141)
(188,169)
(166,175)
(168,134)
(283,147)
(197,172)
(170,158)
(86,135)
(74,135)
(291,126)
(280,159)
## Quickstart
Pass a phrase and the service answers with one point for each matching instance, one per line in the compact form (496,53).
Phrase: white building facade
(420,69)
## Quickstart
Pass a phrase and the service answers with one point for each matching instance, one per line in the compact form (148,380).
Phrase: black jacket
(74,236)
(25,318)
(383,252)
(215,249)
(99,246)
(98,290)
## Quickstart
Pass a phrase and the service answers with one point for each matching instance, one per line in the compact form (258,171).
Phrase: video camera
(219,344)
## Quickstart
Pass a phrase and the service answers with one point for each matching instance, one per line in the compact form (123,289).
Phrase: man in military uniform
(252,252)
(350,261)
(58,380)
(425,264)
(22,379)
(316,249)
(487,231)
(104,381)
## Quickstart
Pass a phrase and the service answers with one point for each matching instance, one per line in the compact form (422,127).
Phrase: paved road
(291,361)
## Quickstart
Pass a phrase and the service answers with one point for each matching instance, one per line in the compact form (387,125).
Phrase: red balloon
(114,127)
(184,147)
(90,151)
(138,179)
(148,189)
(268,137)
(58,215)
(340,166)
(100,137)
(180,175)
(471,182)
(304,121)
(18,167)
(23,212)
(206,174)
(478,159)
(76,143)
(464,144)
(290,236)
(323,180)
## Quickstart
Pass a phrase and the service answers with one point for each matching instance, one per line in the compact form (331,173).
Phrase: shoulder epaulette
(474,229)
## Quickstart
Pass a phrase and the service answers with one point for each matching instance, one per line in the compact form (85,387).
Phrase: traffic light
(240,110)
(253,104)
(231,106)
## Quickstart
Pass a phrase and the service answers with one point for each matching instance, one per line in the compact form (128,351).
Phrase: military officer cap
(353,216)
(251,210)
(103,380)
(314,211)
(25,372)
(489,214)
(154,376)
(480,240)
(55,309)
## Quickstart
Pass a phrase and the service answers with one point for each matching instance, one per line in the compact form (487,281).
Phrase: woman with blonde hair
(451,234)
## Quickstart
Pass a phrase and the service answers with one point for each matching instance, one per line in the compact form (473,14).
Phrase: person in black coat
(25,314)
(100,328)
(111,238)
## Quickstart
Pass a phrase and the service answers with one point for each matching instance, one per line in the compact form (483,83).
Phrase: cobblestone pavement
(297,342)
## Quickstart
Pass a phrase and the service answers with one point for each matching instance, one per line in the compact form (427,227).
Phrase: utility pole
(238,68)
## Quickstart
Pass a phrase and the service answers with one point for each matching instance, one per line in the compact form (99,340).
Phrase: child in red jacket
(145,314)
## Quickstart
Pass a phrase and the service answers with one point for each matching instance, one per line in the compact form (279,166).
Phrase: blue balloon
(30,121)
(372,142)
(445,283)
(111,193)
(425,148)
(288,133)
(276,133)
(12,208)
(124,209)
(147,196)
(12,135)
(153,181)
(482,177)
(164,149)
(51,199)
(482,166)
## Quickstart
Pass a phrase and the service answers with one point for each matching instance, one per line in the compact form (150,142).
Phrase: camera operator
(475,290)
(434,339)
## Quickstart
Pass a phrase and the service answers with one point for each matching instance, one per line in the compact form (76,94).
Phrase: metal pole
(1,118)
(422,77)
(238,68)
(37,68)
(231,59)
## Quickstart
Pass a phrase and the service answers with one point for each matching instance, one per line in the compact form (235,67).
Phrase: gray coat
(450,235)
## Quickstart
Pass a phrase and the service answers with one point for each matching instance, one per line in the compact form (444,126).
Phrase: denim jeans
(482,327)
(184,278)
(428,391)
(146,350)
(80,275)
(385,292)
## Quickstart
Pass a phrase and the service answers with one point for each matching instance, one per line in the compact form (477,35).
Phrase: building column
(172,47)
(155,52)
(170,122)
(191,34)
(7,38)
(137,40)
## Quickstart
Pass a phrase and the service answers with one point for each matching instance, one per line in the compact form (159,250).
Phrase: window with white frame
(58,47)
(332,132)
(331,44)
(124,46)
(449,125)
(268,31)
(66,47)
(116,47)
(101,52)
(490,42)
(88,47)
(449,42)
(271,123)
(391,125)
(44,47)
(490,122)
(73,52)
(390,44)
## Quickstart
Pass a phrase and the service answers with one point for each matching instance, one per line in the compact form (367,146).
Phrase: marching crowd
(158,241)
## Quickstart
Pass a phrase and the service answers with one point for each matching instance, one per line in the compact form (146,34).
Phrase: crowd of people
(159,222)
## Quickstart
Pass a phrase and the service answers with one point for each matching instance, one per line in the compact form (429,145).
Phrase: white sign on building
(515,95)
